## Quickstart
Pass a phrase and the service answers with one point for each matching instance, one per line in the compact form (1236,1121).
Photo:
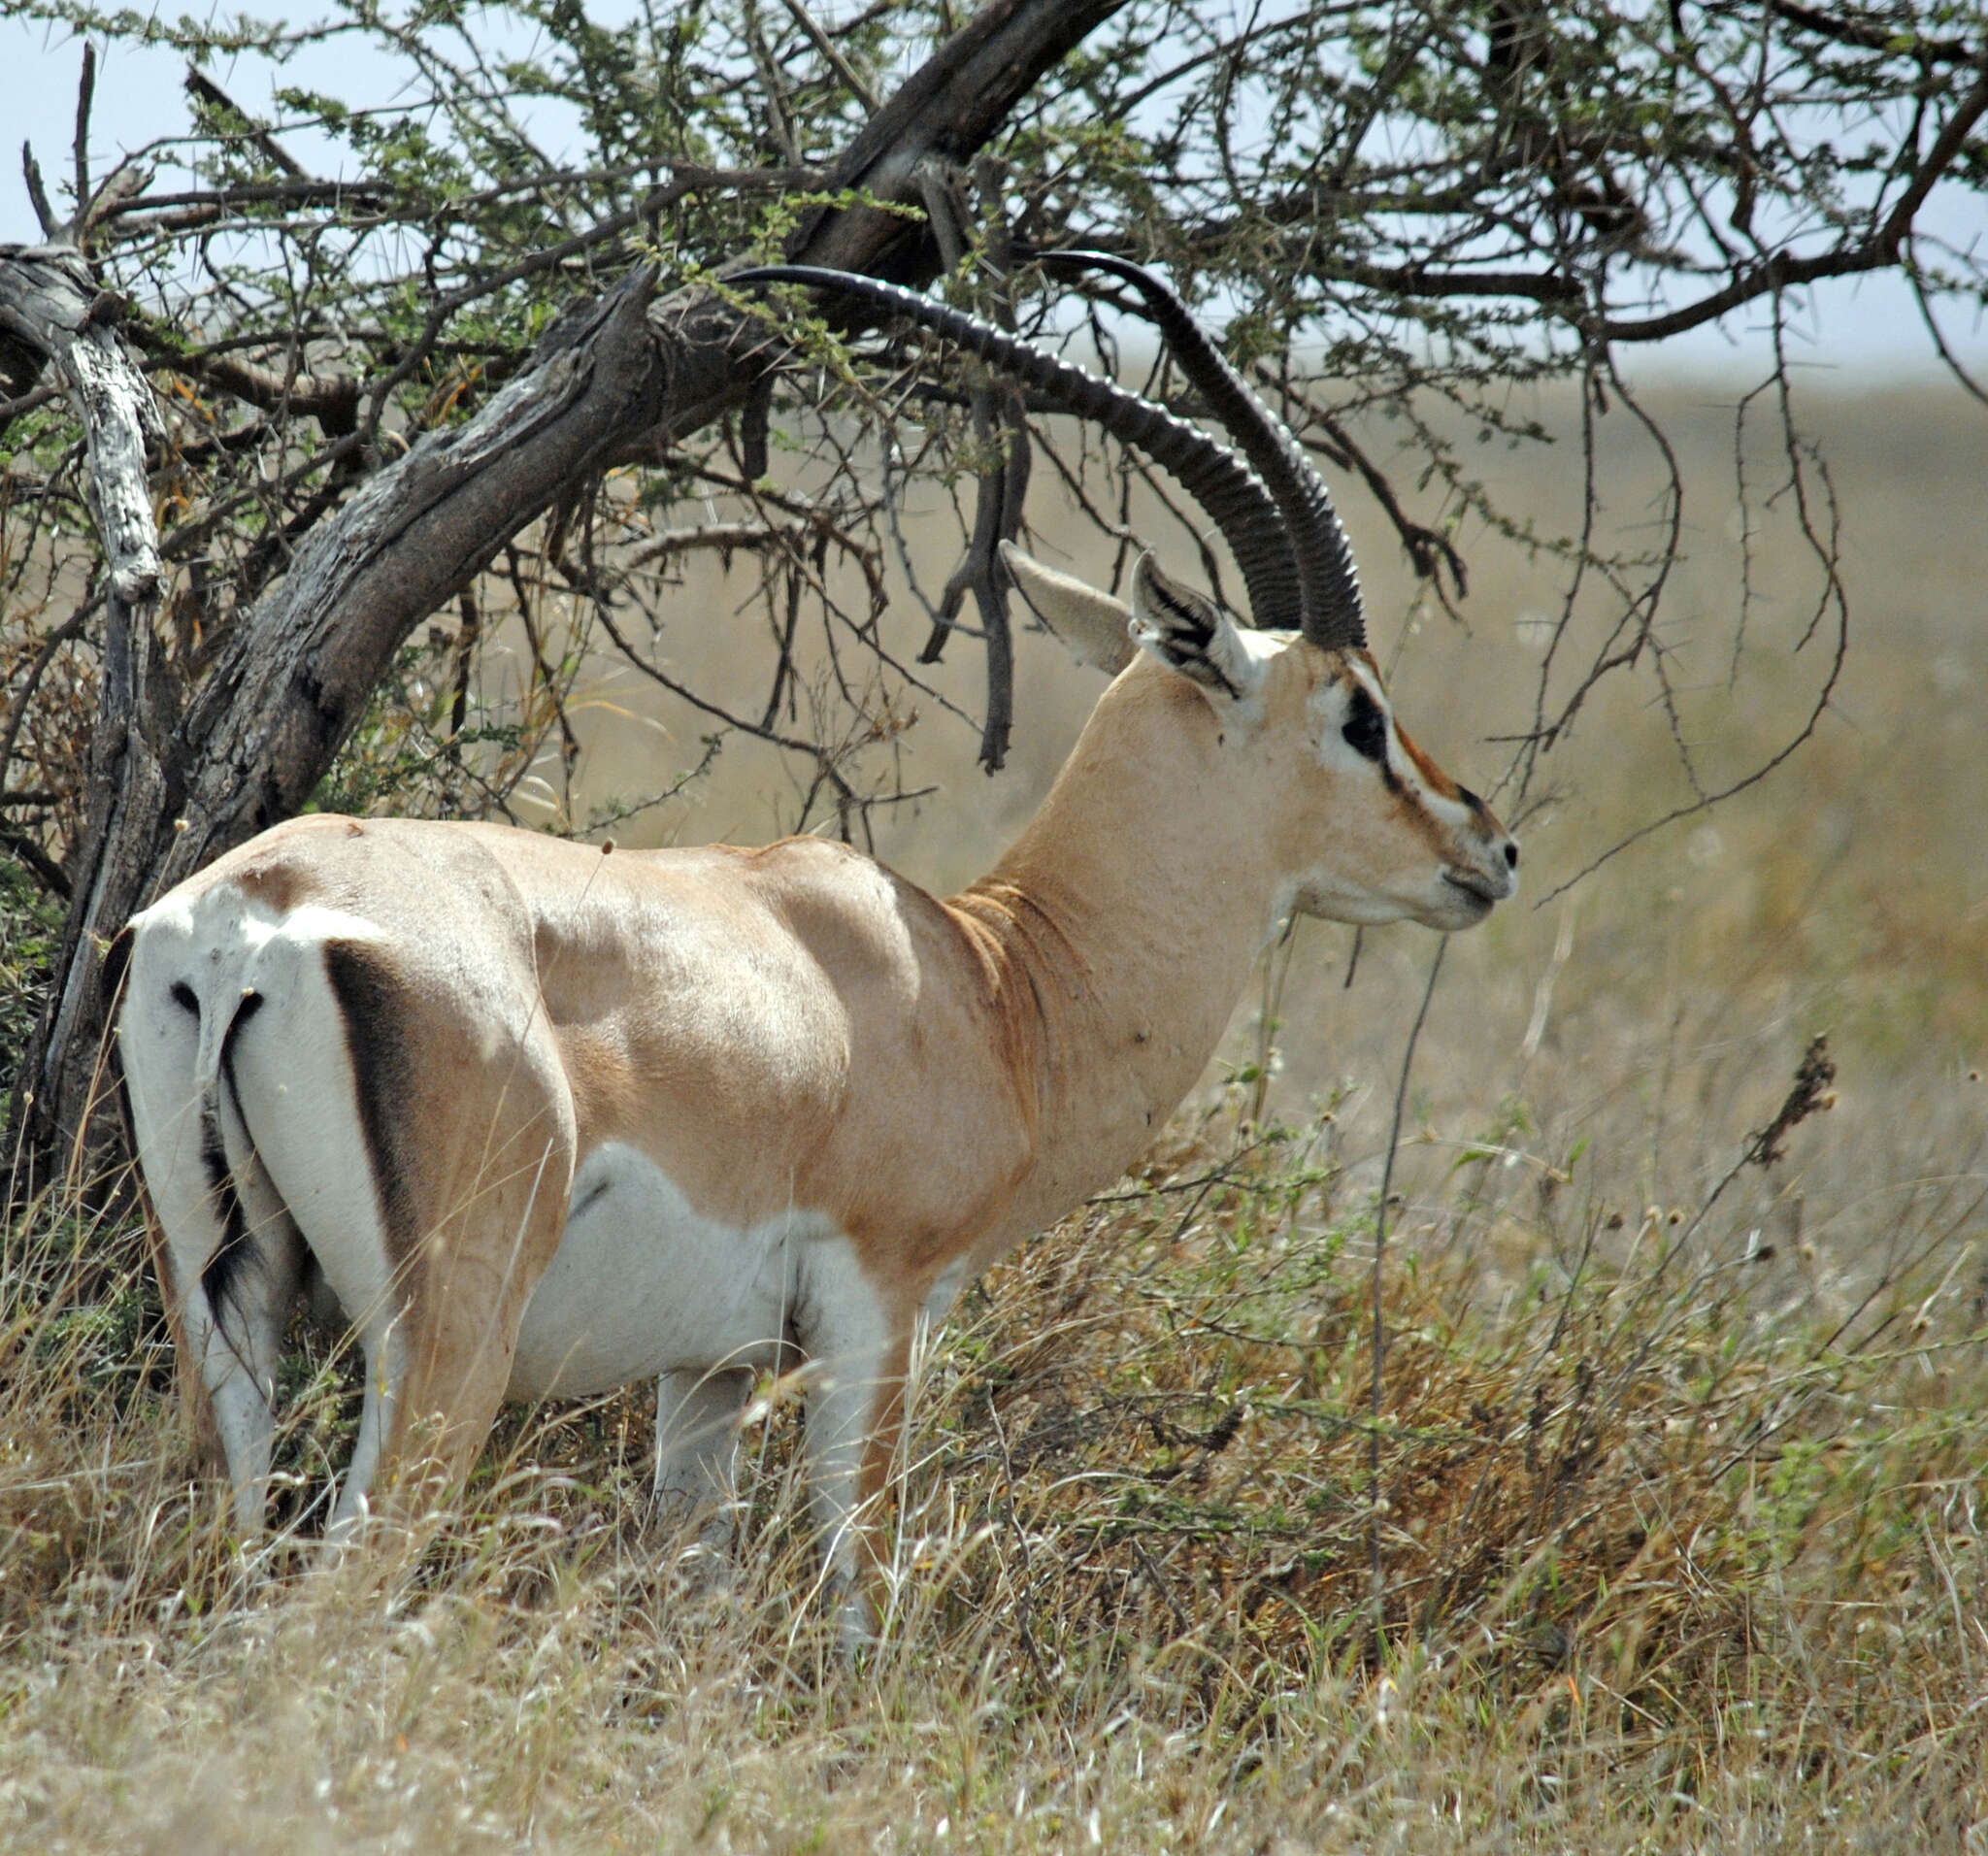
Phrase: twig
(205,91)
(1022,1610)
(467,638)
(86,91)
(1001,432)
(687,179)
(31,173)
(1160,1585)
(1809,1095)
(16,713)
(1783,271)
(1377,1588)
(569,741)
(851,77)
(44,867)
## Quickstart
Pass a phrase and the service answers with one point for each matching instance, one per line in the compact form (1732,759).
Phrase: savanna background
(1662,1528)
(1680,1539)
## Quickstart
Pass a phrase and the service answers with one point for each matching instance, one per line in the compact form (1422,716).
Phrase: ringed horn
(1276,514)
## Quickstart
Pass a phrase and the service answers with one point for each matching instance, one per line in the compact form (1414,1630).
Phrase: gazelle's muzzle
(1482,869)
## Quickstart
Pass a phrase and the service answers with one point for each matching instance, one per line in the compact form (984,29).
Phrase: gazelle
(549,1120)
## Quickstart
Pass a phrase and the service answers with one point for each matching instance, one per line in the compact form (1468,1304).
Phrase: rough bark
(619,378)
(50,306)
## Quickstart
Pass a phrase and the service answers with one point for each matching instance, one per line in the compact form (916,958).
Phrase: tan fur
(799,1027)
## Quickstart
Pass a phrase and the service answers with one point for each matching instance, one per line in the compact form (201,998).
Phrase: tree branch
(204,91)
(618,378)
(1783,271)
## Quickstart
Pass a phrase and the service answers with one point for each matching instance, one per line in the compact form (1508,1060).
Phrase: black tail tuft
(221,1274)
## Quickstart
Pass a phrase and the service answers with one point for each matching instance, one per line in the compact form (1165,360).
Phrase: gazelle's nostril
(1510,856)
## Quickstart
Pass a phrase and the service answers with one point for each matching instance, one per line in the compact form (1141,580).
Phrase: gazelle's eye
(1365,729)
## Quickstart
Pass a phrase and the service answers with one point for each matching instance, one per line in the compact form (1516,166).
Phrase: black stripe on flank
(220,1276)
(382,1077)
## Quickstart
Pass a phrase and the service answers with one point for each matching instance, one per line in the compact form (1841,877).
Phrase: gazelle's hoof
(856,1633)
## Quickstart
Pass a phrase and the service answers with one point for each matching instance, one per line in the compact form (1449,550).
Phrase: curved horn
(1234,496)
(1335,615)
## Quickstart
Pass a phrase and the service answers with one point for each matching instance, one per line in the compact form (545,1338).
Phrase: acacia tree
(258,424)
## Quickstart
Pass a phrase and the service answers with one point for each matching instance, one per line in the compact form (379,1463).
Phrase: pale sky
(1857,329)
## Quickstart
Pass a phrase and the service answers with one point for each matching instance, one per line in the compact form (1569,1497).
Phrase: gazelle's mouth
(1472,886)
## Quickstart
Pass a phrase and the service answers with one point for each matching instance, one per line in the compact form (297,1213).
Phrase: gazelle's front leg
(858,1350)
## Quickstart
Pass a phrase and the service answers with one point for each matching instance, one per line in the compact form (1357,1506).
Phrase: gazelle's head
(1362,825)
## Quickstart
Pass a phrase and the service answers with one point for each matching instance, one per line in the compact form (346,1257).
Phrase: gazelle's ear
(1190,633)
(1094,627)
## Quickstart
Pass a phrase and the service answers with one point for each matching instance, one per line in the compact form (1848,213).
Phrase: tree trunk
(621,377)
(50,306)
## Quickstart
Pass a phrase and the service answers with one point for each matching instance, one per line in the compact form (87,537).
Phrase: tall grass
(1669,1559)
(1681,1456)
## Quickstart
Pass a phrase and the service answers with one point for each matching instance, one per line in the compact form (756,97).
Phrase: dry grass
(1664,1561)
(1681,1536)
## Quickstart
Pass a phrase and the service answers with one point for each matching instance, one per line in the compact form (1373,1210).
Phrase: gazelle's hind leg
(246,1337)
(237,1339)
(697,1450)
(499,1178)
(381,1343)
(292,1087)
(427,1162)
(226,1252)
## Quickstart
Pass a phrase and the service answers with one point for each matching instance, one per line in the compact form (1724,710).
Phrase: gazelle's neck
(1125,919)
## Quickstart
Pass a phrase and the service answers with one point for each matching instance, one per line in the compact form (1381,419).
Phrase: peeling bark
(50,306)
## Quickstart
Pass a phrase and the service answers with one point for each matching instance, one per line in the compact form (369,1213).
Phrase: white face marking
(1445,877)
(1342,704)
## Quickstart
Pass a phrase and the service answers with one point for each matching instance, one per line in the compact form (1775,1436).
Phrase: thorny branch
(1002,438)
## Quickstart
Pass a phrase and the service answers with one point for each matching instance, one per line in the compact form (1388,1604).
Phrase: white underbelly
(642,1285)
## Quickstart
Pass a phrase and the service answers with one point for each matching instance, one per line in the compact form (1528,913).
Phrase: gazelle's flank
(550,1120)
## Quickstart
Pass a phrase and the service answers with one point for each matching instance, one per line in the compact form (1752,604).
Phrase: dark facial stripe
(1365,729)
(375,1017)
